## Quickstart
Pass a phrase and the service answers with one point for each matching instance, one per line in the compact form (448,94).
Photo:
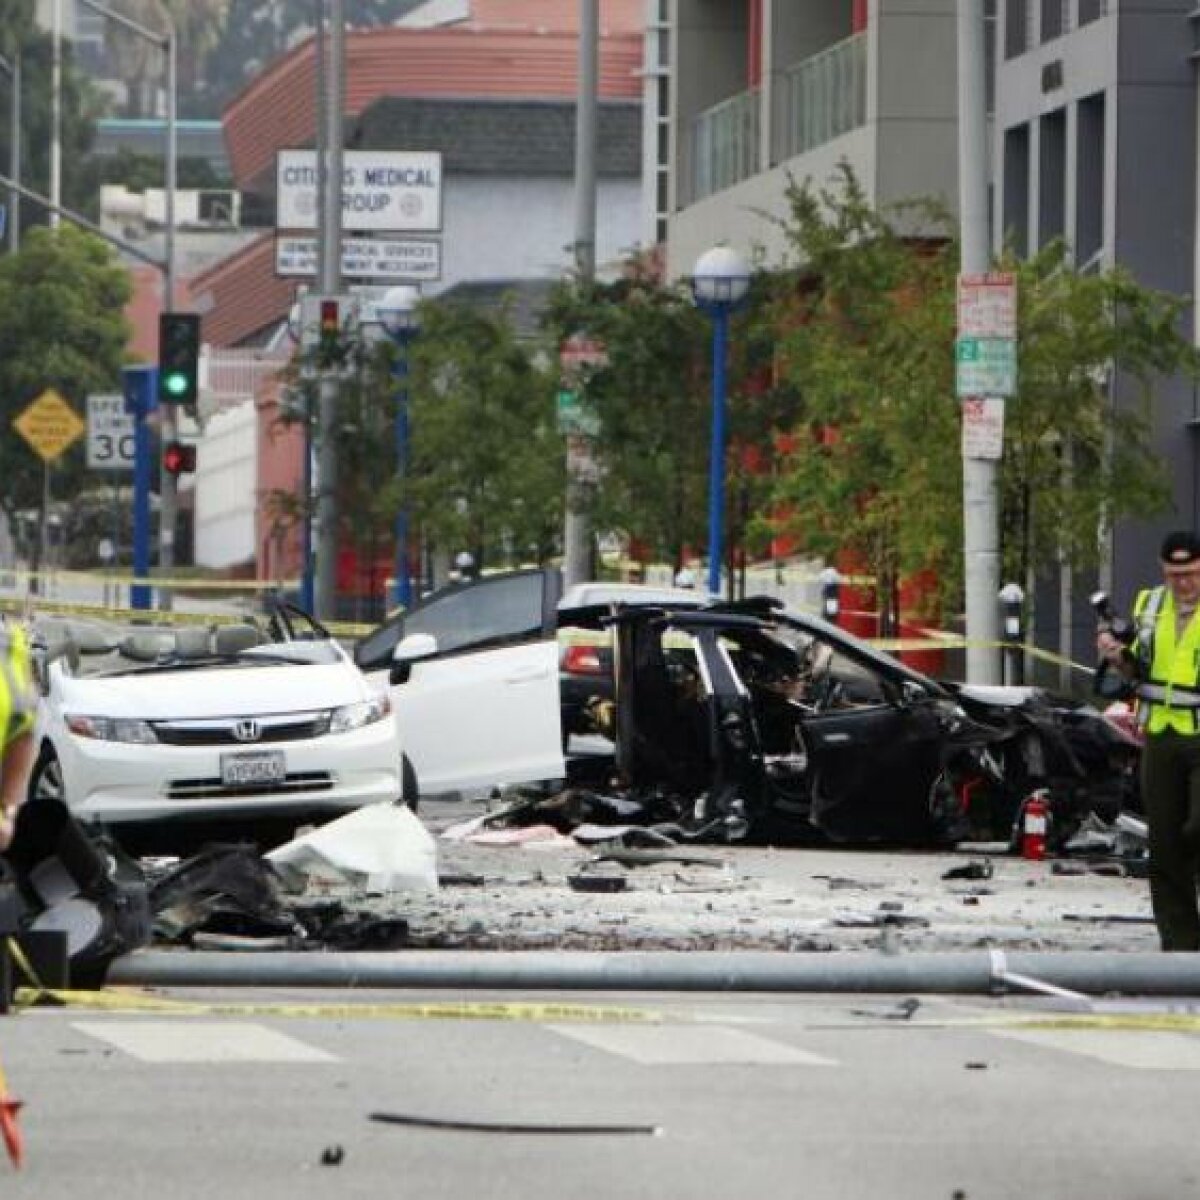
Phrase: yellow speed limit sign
(50,425)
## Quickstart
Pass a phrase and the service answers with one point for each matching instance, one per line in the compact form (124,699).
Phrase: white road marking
(689,1044)
(192,1041)
(1121,1047)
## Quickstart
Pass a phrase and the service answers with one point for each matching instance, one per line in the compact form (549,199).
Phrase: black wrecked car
(764,721)
(739,718)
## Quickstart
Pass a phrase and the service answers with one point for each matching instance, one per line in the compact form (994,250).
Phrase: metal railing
(725,147)
(820,98)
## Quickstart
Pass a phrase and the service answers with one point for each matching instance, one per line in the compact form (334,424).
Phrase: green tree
(866,336)
(62,298)
(1073,461)
(486,465)
(81,104)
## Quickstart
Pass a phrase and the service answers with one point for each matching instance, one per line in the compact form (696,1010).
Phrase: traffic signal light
(179,458)
(330,330)
(178,358)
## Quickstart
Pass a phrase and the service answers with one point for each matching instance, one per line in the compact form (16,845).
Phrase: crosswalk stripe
(678,1045)
(1122,1048)
(194,1041)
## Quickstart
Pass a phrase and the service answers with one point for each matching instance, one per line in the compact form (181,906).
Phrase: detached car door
(484,709)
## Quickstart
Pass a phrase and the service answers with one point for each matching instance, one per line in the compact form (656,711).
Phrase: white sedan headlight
(355,716)
(112,729)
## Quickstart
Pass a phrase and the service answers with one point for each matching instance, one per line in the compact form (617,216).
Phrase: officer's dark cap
(1180,548)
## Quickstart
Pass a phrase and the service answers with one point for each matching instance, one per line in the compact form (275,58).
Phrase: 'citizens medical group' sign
(383,191)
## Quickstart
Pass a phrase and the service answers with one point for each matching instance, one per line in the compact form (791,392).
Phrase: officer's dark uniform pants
(1171,796)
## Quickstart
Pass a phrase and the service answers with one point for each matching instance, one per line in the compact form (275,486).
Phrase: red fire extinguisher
(1035,824)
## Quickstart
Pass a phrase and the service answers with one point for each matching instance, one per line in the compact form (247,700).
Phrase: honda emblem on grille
(247,731)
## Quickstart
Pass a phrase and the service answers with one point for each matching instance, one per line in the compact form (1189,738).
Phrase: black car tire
(46,779)
(410,793)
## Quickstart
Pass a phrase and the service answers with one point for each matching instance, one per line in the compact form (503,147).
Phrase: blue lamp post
(398,316)
(720,282)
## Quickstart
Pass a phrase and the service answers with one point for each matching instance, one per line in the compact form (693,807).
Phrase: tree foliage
(81,105)
(866,334)
(486,467)
(653,399)
(62,299)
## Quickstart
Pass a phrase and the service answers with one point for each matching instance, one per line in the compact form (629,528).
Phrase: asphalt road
(702,1097)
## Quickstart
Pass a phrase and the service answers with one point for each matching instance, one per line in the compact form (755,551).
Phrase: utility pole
(13,70)
(330,271)
(55,110)
(981,534)
(168,485)
(577,525)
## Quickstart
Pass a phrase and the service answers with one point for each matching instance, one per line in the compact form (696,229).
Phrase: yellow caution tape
(175,583)
(1152,1022)
(131,1001)
(36,606)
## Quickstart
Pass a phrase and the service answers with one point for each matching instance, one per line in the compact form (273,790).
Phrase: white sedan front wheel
(47,779)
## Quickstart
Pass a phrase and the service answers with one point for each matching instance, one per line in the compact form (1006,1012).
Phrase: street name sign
(110,434)
(985,366)
(416,260)
(987,305)
(383,191)
(982,427)
(50,425)
(576,416)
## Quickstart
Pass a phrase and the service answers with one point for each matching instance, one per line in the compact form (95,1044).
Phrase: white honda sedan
(211,723)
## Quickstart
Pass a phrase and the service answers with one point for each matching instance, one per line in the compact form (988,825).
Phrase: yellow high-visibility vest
(17,699)
(1169,695)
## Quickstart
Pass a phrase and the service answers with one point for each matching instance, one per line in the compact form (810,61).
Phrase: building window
(1052,177)
(1092,10)
(1089,179)
(1016,27)
(1054,19)
(1015,216)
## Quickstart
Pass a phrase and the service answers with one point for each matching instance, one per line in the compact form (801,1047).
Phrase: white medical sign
(982,427)
(110,441)
(987,305)
(383,191)
(410,259)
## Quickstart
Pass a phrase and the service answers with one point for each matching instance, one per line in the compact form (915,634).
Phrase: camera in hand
(1108,618)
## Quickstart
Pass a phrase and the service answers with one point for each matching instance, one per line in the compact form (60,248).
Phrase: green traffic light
(175,384)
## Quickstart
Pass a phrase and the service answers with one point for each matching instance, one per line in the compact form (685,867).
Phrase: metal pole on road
(981,543)
(330,256)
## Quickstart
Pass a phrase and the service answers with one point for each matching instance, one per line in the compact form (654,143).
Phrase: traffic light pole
(330,181)
(168,490)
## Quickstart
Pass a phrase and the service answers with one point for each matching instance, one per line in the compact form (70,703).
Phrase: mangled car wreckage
(736,719)
(777,720)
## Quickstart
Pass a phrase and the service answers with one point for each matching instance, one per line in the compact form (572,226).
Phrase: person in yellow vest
(1163,662)
(18,702)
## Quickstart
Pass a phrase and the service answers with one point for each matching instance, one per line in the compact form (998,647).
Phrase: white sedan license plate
(261,766)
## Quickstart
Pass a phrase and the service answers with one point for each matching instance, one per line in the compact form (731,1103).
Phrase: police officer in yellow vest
(17,705)
(1163,661)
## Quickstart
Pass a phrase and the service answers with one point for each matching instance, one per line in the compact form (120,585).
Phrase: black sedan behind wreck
(747,719)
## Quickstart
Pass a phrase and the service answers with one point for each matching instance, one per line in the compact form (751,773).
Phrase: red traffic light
(179,458)
(331,322)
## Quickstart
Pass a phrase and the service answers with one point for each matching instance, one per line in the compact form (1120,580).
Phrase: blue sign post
(141,387)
